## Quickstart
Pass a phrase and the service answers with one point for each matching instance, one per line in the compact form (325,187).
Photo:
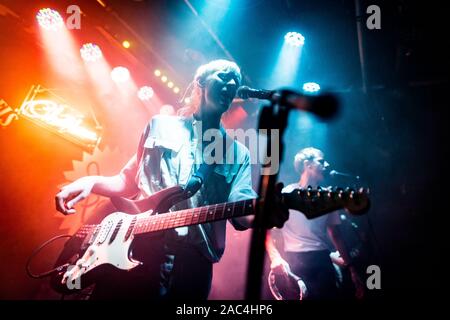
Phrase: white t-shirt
(301,234)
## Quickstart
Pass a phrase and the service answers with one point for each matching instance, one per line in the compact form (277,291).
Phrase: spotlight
(157,72)
(120,74)
(294,39)
(176,90)
(90,52)
(145,93)
(49,19)
(170,84)
(167,109)
(164,79)
(187,100)
(311,87)
(126,44)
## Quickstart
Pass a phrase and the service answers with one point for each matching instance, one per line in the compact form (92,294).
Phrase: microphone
(323,105)
(245,92)
(334,173)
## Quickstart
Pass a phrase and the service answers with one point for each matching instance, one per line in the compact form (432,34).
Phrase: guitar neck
(170,220)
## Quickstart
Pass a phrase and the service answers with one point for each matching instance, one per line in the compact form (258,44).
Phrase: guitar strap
(197,179)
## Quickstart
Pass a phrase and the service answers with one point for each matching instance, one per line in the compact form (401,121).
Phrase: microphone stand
(273,117)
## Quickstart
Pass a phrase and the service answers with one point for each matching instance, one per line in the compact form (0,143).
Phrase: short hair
(200,76)
(308,154)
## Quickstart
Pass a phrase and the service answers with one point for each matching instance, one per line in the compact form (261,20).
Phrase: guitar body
(99,250)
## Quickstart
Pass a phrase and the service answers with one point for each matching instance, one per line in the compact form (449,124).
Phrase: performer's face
(317,167)
(220,89)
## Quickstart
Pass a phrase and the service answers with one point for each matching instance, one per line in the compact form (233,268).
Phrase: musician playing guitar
(306,243)
(178,263)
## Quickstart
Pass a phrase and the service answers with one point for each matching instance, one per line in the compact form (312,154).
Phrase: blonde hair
(196,86)
(308,154)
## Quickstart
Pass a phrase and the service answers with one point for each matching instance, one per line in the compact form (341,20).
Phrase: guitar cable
(36,251)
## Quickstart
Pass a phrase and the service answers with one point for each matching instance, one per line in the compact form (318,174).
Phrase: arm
(121,184)
(241,189)
(337,239)
(277,263)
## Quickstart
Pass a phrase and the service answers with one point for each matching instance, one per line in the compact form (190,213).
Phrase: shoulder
(159,121)
(290,187)
(163,126)
(167,131)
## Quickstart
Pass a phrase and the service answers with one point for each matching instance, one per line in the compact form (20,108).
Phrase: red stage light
(120,74)
(145,93)
(90,52)
(49,19)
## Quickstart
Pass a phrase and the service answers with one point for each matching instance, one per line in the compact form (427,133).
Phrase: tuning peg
(363,190)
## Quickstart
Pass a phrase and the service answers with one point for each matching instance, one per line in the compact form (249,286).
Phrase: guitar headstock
(317,202)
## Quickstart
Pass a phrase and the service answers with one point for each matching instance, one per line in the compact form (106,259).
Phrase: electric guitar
(110,242)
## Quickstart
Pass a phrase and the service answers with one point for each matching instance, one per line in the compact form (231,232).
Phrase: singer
(180,266)
(303,246)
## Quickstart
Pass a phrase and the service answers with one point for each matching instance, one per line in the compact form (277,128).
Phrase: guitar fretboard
(193,216)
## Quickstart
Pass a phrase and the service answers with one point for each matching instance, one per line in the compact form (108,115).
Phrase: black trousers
(183,273)
(317,271)
(186,274)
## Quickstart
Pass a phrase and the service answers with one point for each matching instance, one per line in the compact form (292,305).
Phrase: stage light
(294,39)
(145,93)
(157,72)
(170,84)
(167,109)
(90,52)
(187,100)
(311,87)
(126,44)
(164,79)
(120,74)
(176,90)
(49,19)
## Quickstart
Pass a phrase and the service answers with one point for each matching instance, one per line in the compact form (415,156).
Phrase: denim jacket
(169,152)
